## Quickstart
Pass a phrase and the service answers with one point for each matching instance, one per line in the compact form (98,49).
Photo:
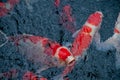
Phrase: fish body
(85,35)
(42,50)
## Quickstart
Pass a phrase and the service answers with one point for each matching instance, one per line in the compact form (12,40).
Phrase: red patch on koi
(95,19)
(63,54)
(86,29)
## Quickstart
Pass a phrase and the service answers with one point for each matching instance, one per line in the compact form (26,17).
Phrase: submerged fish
(47,53)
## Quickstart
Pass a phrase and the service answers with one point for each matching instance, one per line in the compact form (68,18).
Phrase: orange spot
(95,18)
(116,31)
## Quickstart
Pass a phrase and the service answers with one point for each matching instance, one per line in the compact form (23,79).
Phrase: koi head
(95,18)
(62,53)
(93,23)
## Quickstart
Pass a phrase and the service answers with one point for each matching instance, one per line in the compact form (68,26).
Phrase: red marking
(86,29)
(57,3)
(63,54)
(29,76)
(81,42)
(95,19)
(116,31)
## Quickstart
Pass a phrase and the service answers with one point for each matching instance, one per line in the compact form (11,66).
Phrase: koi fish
(84,38)
(45,52)
(85,35)
(42,50)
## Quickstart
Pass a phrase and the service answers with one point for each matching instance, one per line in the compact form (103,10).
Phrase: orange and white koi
(47,52)
(49,47)
(84,38)
(85,35)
